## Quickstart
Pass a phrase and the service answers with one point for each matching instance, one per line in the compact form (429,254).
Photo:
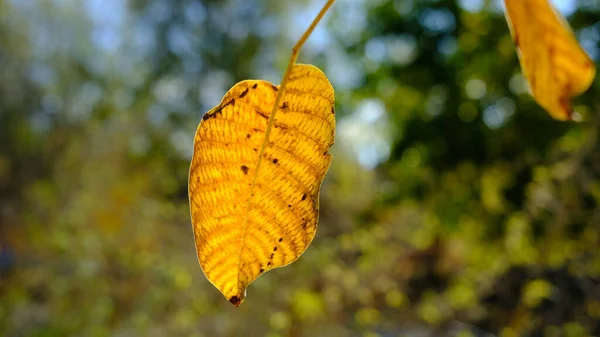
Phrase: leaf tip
(565,109)
(236,301)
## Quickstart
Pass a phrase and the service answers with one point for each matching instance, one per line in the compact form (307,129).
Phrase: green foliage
(454,205)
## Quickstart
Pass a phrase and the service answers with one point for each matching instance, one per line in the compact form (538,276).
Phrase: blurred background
(455,206)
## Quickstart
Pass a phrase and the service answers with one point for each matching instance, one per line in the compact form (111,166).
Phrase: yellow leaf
(241,231)
(556,67)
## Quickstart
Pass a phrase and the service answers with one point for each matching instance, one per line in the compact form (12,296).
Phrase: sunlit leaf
(247,220)
(554,64)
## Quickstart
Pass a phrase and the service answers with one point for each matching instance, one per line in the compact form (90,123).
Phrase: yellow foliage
(556,67)
(254,189)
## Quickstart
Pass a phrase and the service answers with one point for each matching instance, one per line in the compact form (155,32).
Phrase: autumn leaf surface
(246,220)
(556,67)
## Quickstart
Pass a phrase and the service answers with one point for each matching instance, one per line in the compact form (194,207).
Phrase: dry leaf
(554,64)
(248,221)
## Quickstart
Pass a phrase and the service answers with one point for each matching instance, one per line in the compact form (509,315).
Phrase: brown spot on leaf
(218,111)
(244,169)
(244,93)
(248,135)
(262,114)
(235,300)
(303,196)
(275,161)
(255,85)
(280,126)
(280,239)
(274,249)
(274,87)
(284,106)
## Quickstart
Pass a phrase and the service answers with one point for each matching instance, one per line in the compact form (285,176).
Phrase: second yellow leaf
(556,67)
